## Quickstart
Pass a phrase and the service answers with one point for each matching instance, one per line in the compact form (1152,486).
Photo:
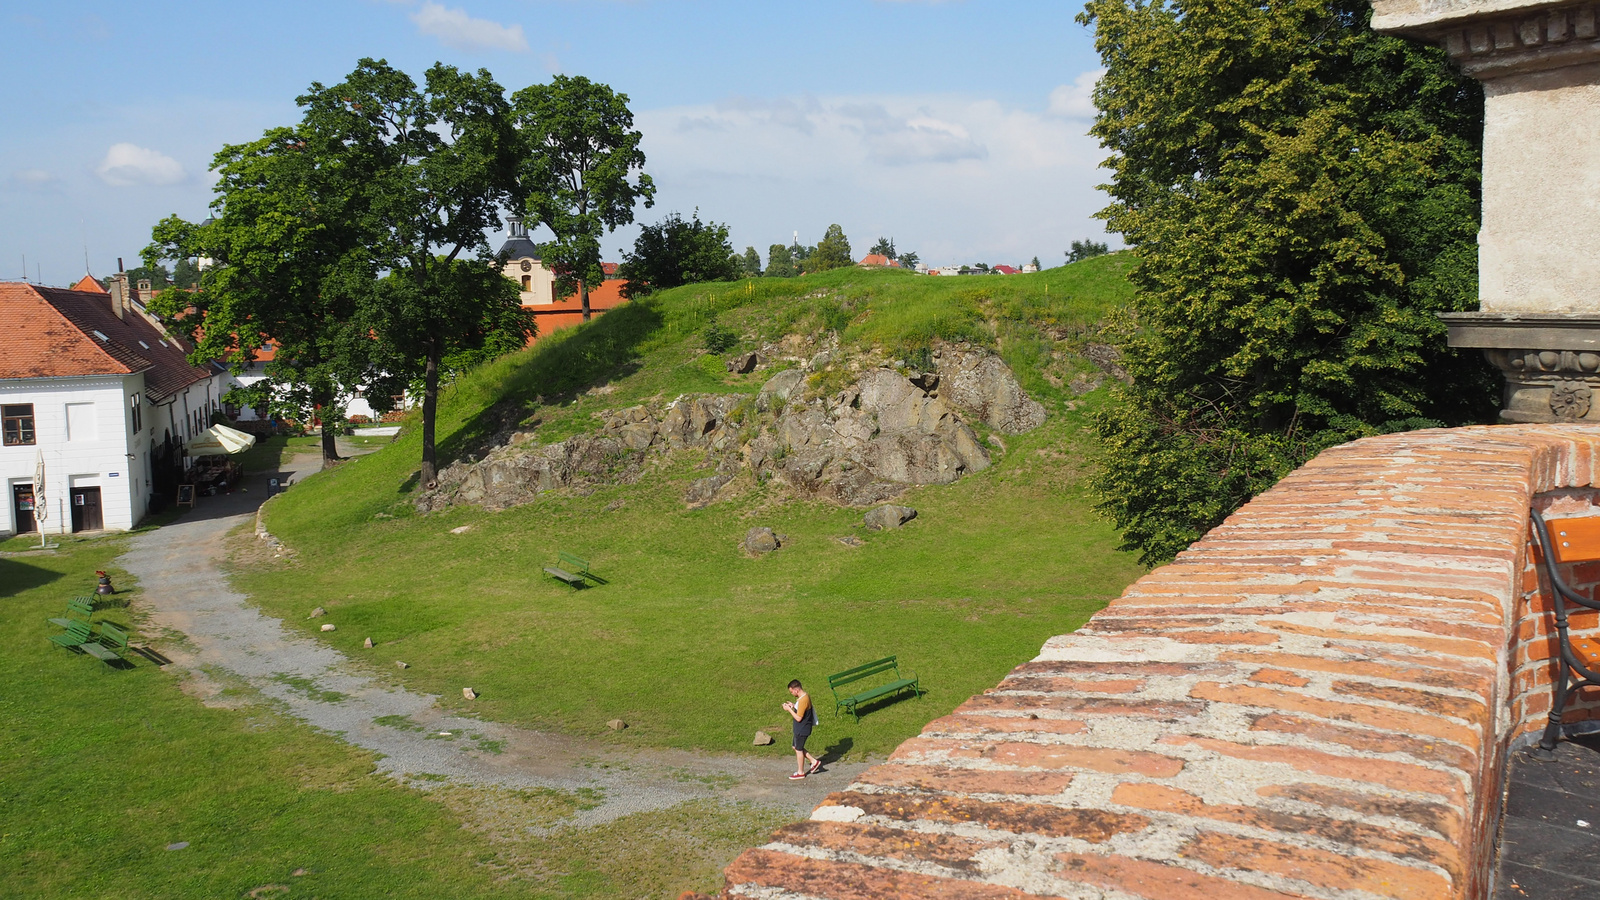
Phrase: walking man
(805,719)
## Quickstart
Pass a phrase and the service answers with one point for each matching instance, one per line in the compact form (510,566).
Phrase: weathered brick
(1375,716)
(1357,834)
(1370,740)
(1397,775)
(1163,710)
(853,881)
(1158,881)
(1141,669)
(1409,670)
(1319,867)
(966,781)
(1473,710)
(961,723)
(950,851)
(1093,825)
(1044,756)
(1279,676)
(1060,685)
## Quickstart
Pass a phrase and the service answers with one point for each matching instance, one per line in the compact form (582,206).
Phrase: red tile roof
(51,333)
(88,283)
(1006,270)
(878,259)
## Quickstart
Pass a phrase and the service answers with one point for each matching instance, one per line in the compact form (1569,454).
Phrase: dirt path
(184,590)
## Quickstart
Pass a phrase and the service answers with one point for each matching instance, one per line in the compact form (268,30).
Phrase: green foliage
(1082,250)
(578,174)
(832,252)
(780,262)
(674,252)
(909,259)
(718,339)
(1303,196)
(750,263)
(884,247)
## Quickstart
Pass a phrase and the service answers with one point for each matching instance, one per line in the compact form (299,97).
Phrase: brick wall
(1315,700)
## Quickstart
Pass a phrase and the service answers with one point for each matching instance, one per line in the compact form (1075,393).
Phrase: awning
(219,439)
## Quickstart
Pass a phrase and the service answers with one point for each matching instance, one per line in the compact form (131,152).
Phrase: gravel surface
(185,590)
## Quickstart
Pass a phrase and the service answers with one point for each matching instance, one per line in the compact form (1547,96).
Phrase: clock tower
(522,265)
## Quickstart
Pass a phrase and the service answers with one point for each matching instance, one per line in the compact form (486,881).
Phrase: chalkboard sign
(186,495)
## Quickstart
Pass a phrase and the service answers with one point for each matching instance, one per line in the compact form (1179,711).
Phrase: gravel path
(184,590)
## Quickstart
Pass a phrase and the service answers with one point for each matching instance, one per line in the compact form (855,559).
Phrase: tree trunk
(330,446)
(430,407)
(583,297)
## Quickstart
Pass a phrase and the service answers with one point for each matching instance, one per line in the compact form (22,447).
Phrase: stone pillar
(1539,247)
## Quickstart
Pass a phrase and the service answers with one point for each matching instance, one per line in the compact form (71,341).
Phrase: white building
(103,394)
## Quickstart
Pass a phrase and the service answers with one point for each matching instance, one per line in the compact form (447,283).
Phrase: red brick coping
(1315,700)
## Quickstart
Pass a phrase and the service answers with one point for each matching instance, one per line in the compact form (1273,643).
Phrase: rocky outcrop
(985,386)
(887,517)
(861,446)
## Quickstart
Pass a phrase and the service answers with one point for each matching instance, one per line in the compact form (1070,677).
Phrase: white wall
(94,452)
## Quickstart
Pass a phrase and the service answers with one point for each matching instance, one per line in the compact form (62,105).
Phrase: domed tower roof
(517,245)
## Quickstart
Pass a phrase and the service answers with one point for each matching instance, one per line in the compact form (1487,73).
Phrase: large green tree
(581,175)
(674,252)
(1302,194)
(780,262)
(431,167)
(832,252)
(283,246)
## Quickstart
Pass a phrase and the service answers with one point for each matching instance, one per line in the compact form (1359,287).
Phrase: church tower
(522,265)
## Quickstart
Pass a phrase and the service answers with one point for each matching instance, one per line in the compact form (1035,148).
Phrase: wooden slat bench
(850,702)
(79,609)
(76,635)
(579,570)
(112,645)
(1578,657)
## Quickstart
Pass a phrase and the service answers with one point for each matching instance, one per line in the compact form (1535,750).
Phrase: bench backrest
(577,565)
(1574,540)
(78,631)
(877,667)
(81,605)
(113,636)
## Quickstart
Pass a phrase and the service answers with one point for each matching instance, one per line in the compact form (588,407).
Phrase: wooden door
(22,507)
(86,514)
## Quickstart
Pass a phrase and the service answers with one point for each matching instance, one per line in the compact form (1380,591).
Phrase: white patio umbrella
(220,439)
(41,510)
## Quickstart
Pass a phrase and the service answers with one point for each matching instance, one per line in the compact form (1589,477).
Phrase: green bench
(78,609)
(76,635)
(872,670)
(579,570)
(113,644)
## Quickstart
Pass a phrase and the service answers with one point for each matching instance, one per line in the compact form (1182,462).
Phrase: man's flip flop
(797,776)
(815,768)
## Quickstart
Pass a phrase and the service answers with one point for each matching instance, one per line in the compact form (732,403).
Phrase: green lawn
(101,771)
(691,642)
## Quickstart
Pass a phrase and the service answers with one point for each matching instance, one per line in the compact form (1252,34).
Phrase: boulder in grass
(887,517)
(762,739)
(400,665)
(760,540)
(318,613)
(330,627)
(469,693)
(616,725)
(367,643)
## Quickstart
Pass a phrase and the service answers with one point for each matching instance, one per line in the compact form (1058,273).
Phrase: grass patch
(691,642)
(308,688)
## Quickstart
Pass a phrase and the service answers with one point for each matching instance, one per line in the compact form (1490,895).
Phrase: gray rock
(330,627)
(318,613)
(367,643)
(469,693)
(998,442)
(400,665)
(783,385)
(616,725)
(743,364)
(820,360)
(762,739)
(850,540)
(887,517)
(702,490)
(983,385)
(760,540)
(462,529)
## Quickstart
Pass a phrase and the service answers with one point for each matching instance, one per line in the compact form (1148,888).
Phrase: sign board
(186,495)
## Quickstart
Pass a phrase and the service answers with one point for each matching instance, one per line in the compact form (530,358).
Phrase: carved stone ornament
(1570,399)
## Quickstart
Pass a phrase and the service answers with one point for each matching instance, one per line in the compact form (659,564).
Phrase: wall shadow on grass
(17,576)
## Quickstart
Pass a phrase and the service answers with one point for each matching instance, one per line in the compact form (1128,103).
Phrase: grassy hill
(692,641)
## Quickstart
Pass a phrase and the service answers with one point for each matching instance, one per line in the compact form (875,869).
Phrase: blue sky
(957,128)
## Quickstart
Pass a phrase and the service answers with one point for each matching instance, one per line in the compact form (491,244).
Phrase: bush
(718,339)
(358,420)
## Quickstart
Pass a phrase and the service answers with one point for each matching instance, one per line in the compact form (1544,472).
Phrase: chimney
(144,292)
(119,291)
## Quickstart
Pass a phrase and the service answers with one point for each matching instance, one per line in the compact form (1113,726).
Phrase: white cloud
(461,31)
(1076,100)
(34,177)
(129,164)
(955,178)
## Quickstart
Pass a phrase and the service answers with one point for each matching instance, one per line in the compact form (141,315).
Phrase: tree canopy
(832,252)
(750,263)
(581,173)
(1085,249)
(780,262)
(675,252)
(884,247)
(1302,194)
